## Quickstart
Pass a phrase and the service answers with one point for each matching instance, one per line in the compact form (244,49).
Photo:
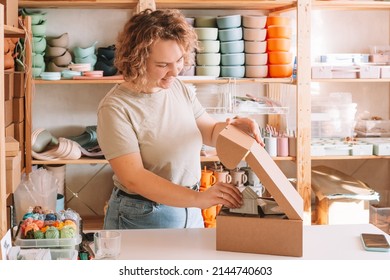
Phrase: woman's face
(164,63)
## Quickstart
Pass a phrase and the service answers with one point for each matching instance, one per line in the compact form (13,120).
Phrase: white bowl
(209,46)
(256,58)
(260,71)
(213,71)
(254,21)
(255,34)
(206,33)
(255,46)
(208,59)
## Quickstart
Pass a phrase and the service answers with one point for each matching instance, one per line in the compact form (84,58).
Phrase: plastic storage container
(47,243)
(380,212)
(373,127)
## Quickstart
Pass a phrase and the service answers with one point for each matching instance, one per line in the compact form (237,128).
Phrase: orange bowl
(280,57)
(279,31)
(278,44)
(278,20)
(280,70)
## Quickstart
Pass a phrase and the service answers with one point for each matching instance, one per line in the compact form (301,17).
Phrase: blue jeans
(125,212)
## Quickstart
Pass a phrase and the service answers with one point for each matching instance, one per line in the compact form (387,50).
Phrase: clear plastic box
(380,212)
(64,254)
(332,128)
(373,127)
(47,243)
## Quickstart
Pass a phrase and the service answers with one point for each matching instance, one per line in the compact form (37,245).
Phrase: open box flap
(233,145)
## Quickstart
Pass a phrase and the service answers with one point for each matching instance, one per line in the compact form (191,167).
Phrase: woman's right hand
(220,193)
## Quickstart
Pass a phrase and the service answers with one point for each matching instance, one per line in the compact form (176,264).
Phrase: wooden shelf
(10,31)
(75,82)
(348,157)
(351,5)
(191,81)
(104,161)
(163,4)
(350,80)
(71,161)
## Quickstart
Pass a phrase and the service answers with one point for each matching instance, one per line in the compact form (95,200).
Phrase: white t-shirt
(161,126)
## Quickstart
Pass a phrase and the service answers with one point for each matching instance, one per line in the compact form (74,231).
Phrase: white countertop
(322,242)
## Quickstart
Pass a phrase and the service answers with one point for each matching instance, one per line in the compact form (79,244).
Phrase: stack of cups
(85,55)
(38,29)
(255,46)
(230,35)
(209,215)
(189,70)
(278,44)
(105,60)
(208,57)
(57,55)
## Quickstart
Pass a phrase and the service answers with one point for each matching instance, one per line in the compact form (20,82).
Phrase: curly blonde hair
(141,31)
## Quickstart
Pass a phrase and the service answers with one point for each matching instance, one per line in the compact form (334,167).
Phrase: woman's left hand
(248,125)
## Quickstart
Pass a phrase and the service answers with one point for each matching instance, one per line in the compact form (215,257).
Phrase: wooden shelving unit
(302,82)
(3,198)
(273,6)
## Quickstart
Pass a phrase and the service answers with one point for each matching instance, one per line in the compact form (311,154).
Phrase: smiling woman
(151,129)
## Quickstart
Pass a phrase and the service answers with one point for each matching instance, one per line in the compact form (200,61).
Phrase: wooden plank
(3,198)
(162,4)
(304,105)
(28,101)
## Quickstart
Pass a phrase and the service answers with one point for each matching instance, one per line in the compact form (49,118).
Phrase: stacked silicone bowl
(208,57)
(38,29)
(280,57)
(232,46)
(255,46)
(57,55)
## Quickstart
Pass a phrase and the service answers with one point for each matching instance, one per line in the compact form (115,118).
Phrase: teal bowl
(232,59)
(39,29)
(231,34)
(84,52)
(231,21)
(37,60)
(91,59)
(232,46)
(233,71)
(38,44)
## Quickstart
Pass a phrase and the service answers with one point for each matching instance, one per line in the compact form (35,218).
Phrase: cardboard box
(340,198)
(19,132)
(19,87)
(10,12)
(8,113)
(18,110)
(11,147)
(10,130)
(268,235)
(8,85)
(13,173)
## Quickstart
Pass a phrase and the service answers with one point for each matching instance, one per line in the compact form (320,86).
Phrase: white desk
(325,242)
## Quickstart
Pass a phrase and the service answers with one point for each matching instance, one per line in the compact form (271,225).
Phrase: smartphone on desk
(375,242)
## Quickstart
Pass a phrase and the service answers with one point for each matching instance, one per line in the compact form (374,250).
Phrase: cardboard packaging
(19,84)
(13,173)
(8,85)
(252,234)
